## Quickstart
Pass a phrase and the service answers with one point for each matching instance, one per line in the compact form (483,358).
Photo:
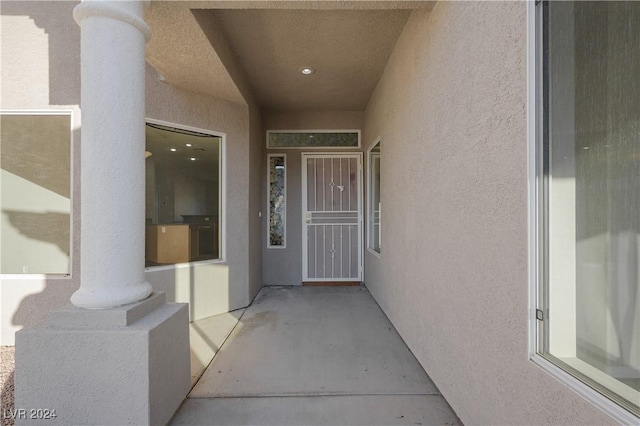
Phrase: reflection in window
(374,198)
(277,200)
(183,170)
(591,166)
(35,193)
(282,139)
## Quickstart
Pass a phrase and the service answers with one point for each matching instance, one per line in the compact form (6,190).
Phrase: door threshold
(331,283)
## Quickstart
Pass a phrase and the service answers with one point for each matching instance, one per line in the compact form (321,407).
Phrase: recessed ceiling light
(173,150)
(307,70)
(193,158)
(188,144)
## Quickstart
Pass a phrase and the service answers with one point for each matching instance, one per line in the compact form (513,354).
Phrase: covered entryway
(314,355)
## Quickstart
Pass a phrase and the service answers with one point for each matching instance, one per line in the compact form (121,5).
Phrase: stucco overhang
(251,51)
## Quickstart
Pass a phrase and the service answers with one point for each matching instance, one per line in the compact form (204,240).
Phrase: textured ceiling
(348,49)
(251,51)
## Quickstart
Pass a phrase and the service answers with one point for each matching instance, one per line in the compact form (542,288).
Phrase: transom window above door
(313,139)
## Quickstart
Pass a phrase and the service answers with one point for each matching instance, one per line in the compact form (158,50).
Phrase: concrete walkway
(314,356)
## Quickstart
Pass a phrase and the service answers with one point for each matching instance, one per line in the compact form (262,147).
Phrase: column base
(110,297)
(126,365)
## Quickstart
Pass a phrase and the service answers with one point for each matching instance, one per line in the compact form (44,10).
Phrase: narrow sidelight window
(277,187)
(589,194)
(374,199)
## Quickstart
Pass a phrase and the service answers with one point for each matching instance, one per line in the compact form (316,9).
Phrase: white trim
(531,173)
(222,188)
(303,171)
(594,397)
(606,380)
(47,277)
(368,222)
(284,240)
(328,148)
(70,113)
(375,253)
(600,401)
(222,200)
(172,266)
(323,280)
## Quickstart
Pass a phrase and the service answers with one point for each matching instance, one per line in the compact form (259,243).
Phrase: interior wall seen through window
(182,195)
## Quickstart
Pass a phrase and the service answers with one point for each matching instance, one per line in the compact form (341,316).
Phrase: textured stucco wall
(451,113)
(239,80)
(40,70)
(257,170)
(284,266)
(312,120)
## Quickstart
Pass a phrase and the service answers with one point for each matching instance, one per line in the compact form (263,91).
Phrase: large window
(588,303)
(183,202)
(35,193)
(374,198)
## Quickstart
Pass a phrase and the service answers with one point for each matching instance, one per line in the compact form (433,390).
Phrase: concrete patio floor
(311,356)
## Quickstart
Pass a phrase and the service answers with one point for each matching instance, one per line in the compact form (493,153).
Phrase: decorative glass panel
(313,140)
(35,193)
(590,304)
(277,200)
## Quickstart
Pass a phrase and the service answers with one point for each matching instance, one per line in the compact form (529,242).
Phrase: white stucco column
(113,143)
(119,325)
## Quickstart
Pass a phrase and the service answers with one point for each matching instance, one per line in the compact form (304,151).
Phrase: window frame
(222,196)
(370,222)
(284,238)
(536,182)
(330,148)
(72,128)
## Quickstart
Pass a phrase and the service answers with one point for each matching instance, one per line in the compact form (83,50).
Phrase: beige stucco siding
(40,65)
(41,71)
(257,170)
(451,113)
